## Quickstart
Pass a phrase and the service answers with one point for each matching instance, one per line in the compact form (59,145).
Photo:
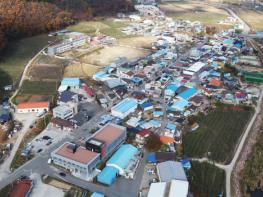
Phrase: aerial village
(102,134)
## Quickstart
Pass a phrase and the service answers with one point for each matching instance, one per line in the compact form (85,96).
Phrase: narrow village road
(26,121)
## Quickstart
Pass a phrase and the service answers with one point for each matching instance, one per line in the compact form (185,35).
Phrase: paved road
(26,121)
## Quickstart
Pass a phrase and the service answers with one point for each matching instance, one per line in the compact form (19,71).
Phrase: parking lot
(149,176)
(47,138)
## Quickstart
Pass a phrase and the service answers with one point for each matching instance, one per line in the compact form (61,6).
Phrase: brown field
(108,54)
(32,98)
(253,18)
(140,42)
(46,72)
(78,70)
(194,11)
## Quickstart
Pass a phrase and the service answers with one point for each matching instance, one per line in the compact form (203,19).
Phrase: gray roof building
(170,170)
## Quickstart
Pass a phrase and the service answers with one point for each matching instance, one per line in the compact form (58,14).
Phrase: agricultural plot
(206,180)
(252,17)
(80,70)
(139,42)
(218,134)
(194,11)
(39,87)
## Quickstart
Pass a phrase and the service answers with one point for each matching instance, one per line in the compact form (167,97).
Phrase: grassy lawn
(206,180)
(253,171)
(218,133)
(106,26)
(194,11)
(39,87)
(16,56)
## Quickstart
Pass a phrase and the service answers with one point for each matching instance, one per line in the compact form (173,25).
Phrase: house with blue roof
(121,163)
(124,108)
(170,89)
(146,106)
(179,105)
(187,94)
(71,83)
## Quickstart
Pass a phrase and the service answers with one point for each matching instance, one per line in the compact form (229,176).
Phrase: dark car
(62,174)
(49,143)
(39,150)
(46,137)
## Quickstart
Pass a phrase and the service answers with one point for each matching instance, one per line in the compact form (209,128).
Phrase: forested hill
(20,18)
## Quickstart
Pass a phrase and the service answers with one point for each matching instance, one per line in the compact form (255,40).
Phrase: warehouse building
(124,108)
(124,163)
(107,139)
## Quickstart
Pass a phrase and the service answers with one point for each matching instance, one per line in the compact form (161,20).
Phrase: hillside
(21,18)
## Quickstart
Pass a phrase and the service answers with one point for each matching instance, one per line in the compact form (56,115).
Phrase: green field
(16,56)
(218,133)
(253,171)
(206,180)
(106,26)
(38,88)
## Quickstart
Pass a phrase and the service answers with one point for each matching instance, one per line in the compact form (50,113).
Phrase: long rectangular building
(107,139)
(77,159)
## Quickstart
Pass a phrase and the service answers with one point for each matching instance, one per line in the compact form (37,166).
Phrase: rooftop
(109,133)
(21,188)
(170,170)
(81,155)
(33,105)
(125,105)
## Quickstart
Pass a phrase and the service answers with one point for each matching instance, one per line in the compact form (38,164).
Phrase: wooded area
(20,18)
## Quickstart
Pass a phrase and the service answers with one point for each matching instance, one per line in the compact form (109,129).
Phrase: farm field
(109,54)
(218,133)
(252,17)
(39,87)
(194,11)
(206,180)
(17,55)
(253,171)
(108,27)
(80,70)
(33,91)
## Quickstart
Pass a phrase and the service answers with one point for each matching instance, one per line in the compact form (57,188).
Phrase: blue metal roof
(179,105)
(125,105)
(70,81)
(173,87)
(66,96)
(96,194)
(171,126)
(122,156)
(151,158)
(145,105)
(108,175)
(188,93)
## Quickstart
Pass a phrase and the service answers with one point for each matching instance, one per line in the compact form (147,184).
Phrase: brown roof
(21,188)
(61,122)
(109,133)
(82,155)
(196,99)
(165,156)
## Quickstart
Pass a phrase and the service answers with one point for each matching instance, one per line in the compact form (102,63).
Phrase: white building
(29,107)
(68,45)
(77,159)
(65,111)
